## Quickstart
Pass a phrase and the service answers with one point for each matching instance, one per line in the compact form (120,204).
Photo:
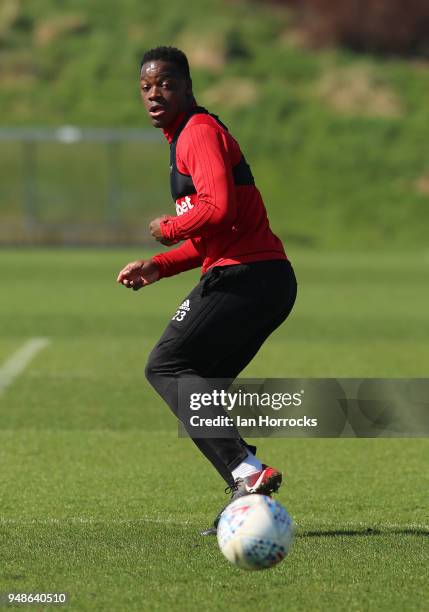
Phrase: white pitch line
(19,361)
(364,526)
(302,528)
(76,520)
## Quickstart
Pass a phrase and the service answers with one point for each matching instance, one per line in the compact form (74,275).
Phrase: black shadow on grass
(365,531)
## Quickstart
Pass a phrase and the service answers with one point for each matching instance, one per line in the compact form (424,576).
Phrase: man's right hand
(138,274)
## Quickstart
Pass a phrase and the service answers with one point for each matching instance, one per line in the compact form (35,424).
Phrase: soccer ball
(255,532)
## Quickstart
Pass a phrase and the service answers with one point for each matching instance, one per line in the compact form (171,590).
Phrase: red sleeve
(185,257)
(202,151)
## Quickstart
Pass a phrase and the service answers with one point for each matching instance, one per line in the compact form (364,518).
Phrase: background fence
(81,186)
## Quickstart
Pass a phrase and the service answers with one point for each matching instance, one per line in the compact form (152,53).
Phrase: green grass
(101,499)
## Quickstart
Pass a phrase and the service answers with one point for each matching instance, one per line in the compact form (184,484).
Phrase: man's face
(164,91)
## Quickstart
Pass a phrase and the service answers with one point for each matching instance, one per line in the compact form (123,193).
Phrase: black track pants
(215,333)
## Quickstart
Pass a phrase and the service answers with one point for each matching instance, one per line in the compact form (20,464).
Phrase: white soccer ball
(255,532)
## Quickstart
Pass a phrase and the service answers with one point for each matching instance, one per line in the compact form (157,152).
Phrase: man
(247,288)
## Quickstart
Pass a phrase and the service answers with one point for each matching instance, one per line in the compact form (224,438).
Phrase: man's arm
(182,258)
(138,274)
(203,152)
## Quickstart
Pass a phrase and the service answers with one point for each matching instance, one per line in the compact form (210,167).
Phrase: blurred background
(328,98)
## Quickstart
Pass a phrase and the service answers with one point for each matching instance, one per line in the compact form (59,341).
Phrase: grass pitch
(100,499)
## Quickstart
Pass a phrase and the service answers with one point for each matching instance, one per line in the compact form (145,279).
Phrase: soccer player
(247,287)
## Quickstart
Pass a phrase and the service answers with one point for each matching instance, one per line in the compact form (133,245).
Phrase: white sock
(249,466)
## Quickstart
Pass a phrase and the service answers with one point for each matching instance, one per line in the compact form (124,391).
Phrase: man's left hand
(155,230)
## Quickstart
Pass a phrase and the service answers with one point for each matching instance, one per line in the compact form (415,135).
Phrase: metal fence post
(113,184)
(29,167)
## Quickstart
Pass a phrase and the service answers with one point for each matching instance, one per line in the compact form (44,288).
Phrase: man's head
(165,85)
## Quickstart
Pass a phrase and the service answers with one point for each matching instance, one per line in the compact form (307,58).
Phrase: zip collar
(170,131)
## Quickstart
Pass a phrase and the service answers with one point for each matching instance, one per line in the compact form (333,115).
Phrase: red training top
(222,223)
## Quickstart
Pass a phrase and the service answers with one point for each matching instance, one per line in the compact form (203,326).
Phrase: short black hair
(169,54)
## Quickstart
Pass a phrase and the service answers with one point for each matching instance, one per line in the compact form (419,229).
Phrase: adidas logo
(185,306)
